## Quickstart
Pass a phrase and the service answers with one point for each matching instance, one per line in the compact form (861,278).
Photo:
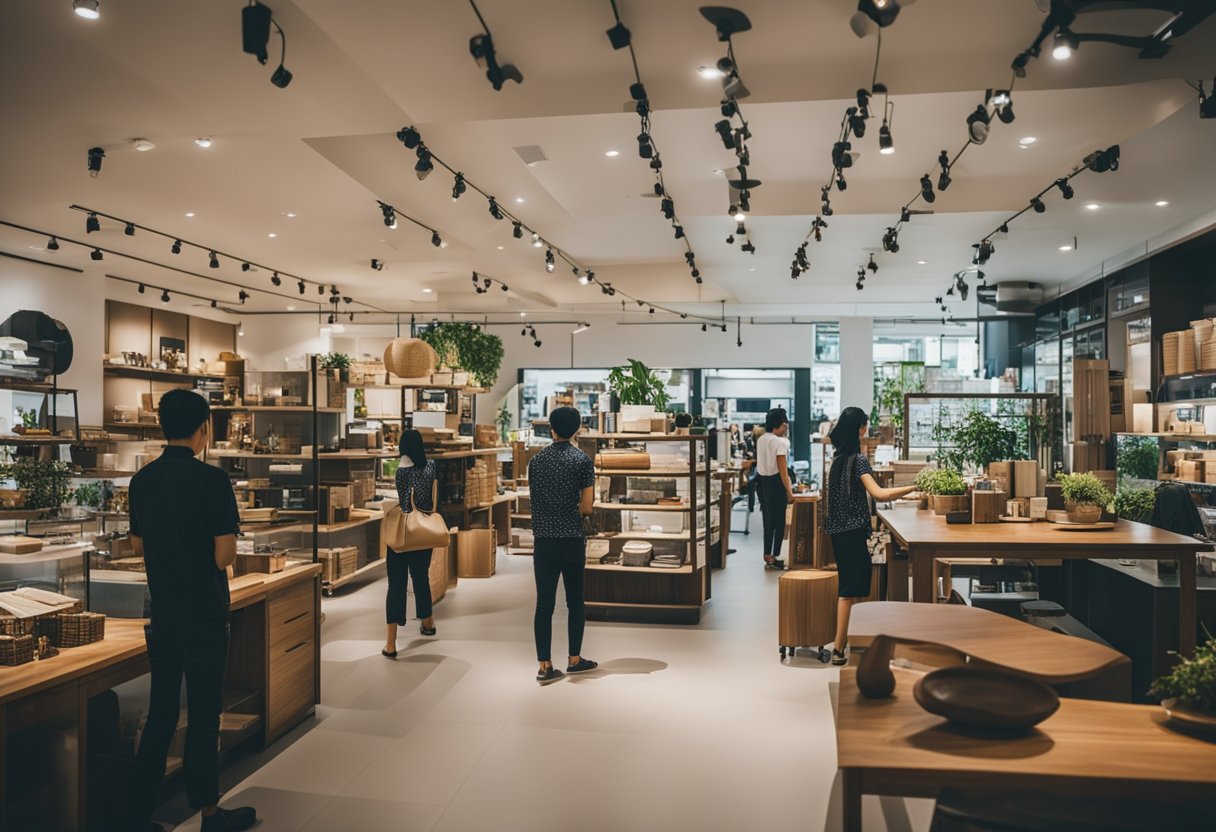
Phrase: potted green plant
(1135,504)
(635,384)
(978,440)
(946,488)
(45,483)
(89,495)
(1085,497)
(504,424)
(336,361)
(1188,692)
(468,347)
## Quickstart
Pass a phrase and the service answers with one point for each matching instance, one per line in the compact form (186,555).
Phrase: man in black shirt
(184,523)
(562,483)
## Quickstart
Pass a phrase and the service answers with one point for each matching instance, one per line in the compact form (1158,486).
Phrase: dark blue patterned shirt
(419,480)
(848,503)
(557,476)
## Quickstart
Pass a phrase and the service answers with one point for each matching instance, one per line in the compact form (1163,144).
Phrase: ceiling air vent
(1018,296)
(531,154)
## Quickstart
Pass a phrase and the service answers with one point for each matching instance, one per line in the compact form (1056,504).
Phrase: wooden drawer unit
(292,617)
(292,657)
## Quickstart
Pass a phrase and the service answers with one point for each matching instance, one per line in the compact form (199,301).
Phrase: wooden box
(988,506)
(1025,473)
(1193,470)
(338,563)
(333,504)
(476,553)
(262,563)
(1001,473)
(20,545)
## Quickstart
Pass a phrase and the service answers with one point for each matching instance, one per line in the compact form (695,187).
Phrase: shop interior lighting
(88,9)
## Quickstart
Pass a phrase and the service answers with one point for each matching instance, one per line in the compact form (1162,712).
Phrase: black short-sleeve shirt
(419,481)
(179,505)
(848,505)
(557,476)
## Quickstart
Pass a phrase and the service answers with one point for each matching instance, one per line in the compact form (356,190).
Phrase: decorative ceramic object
(986,697)
(1190,719)
(1083,512)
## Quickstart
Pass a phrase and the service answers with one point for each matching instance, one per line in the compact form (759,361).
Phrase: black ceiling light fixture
(52,244)
(129,230)
(518,232)
(481,47)
(300,285)
(377,265)
(943,179)
(886,145)
(91,224)
(458,186)
(1063,44)
(176,248)
(256,20)
(977,125)
(1037,205)
(436,240)
(493,208)
(88,9)
(873,15)
(926,189)
(424,165)
(1002,100)
(390,215)
(1101,161)
(872,266)
(95,155)
(96,254)
(890,240)
(1207,101)
(246,267)
(984,251)
(214,261)
(164,296)
(550,263)
(1065,188)
(141,288)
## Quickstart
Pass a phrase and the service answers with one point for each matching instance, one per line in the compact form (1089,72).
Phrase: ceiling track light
(141,288)
(550,262)
(129,230)
(91,224)
(1063,44)
(1066,189)
(96,254)
(518,232)
(436,240)
(926,189)
(213,261)
(95,155)
(275,280)
(537,242)
(88,9)
(52,244)
(458,187)
(1037,205)
(494,210)
(977,125)
(245,267)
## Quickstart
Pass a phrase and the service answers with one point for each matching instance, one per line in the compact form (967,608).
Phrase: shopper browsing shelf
(184,523)
(415,491)
(850,485)
(562,483)
(773,482)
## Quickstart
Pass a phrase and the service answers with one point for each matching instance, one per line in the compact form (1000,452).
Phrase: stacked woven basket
(1191,349)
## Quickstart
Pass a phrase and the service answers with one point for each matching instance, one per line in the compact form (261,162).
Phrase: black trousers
(773,501)
(403,566)
(564,558)
(198,653)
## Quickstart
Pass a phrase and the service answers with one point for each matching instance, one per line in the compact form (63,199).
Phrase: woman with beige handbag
(412,530)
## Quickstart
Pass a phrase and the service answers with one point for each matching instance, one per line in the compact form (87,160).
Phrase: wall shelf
(151,374)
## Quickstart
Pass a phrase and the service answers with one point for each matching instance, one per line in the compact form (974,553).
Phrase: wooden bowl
(986,697)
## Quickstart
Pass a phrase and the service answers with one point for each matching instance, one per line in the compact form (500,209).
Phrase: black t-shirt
(557,476)
(178,506)
(848,503)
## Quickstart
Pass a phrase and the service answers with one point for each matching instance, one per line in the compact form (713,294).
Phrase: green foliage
(1084,489)
(29,418)
(1192,680)
(46,482)
(941,482)
(1135,503)
(1137,457)
(977,440)
(889,390)
(89,494)
(334,361)
(635,383)
(466,347)
(504,423)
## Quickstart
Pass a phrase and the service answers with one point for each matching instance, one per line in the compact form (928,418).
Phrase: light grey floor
(683,728)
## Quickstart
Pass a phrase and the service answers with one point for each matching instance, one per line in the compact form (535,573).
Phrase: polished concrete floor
(682,728)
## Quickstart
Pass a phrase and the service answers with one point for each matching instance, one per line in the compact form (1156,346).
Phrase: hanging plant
(635,383)
(468,347)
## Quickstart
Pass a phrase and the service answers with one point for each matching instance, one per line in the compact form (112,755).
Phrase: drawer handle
(296,617)
(293,649)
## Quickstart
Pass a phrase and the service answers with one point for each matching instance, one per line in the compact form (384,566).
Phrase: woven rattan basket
(15,650)
(76,629)
(409,358)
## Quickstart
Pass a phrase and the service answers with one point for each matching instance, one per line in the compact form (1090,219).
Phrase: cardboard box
(1025,478)
(1193,470)
(476,553)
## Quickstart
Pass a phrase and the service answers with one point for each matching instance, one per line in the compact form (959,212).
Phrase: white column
(857,363)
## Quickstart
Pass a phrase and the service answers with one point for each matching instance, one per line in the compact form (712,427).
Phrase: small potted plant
(1188,692)
(946,488)
(1085,497)
(1135,504)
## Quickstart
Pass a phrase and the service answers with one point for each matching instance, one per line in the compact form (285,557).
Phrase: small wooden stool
(806,610)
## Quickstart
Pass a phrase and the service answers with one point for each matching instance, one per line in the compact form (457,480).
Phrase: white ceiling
(324,148)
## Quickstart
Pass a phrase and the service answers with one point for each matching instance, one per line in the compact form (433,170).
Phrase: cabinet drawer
(292,682)
(285,634)
(291,604)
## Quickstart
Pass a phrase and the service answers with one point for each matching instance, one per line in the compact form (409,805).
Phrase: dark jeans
(565,558)
(199,653)
(773,501)
(401,567)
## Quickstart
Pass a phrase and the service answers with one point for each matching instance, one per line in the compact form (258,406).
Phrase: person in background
(850,485)
(562,483)
(184,523)
(415,478)
(773,483)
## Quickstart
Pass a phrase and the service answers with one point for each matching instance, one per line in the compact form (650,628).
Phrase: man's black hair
(565,421)
(182,412)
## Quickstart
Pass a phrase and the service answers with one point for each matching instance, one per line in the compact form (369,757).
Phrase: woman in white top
(773,483)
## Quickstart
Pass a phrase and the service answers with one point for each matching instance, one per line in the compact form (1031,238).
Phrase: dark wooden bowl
(985,697)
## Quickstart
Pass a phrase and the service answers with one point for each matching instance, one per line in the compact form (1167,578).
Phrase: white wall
(857,363)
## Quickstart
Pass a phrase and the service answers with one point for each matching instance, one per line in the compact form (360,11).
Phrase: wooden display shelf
(23,513)
(640,507)
(15,439)
(679,537)
(268,408)
(371,565)
(352,524)
(686,569)
(123,371)
(650,472)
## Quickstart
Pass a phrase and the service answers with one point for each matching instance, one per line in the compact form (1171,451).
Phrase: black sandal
(387,654)
(426,631)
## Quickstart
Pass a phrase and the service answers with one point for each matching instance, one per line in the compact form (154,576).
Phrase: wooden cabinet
(292,657)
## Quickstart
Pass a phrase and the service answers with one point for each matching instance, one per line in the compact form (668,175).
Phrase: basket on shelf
(1169,353)
(10,625)
(76,629)
(1207,356)
(15,650)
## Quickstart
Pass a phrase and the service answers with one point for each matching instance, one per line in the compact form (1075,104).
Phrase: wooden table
(1086,749)
(926,536)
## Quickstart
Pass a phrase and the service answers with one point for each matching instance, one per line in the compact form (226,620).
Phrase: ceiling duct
(1018,296)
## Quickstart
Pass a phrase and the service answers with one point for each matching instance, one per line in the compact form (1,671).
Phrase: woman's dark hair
(775,419)
(411,446)
(683,420)
(182,412)
(844,436)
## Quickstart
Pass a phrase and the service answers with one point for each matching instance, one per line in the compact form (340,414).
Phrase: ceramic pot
(1083,512)
(943,504)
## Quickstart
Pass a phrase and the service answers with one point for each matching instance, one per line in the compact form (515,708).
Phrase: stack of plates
(1186,352)
(1169,353)
(1207,356)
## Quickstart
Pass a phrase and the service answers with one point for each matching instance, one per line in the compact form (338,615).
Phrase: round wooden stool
(806,611)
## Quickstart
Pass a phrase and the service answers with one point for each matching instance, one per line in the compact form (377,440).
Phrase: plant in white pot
(1085,497)
(946,488)
(641,392)
(1188,692)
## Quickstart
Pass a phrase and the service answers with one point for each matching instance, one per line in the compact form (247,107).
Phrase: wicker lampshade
(409,358)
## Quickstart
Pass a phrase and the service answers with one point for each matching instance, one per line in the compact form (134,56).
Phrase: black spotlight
(645,148)
(668,207)
(481,47)
(214,261)
(977,125)
(926,189)
(495,211)
(242,296)
(424,165)
(618,36)
(841,158)
(943,179)
(984,252)
(164,296)
(436,240)
(52,244)
(872,266)
(1065,188)
(141,288)
(1037,205)
(550,263)
(300,286)
(409,137)
(92,224)
(281,77)
(96,254)
(882,12)
(129,230)
(841,184)
(246,267)
(458,187)
(96,154)
(377,265)
(679,232)
(518,233)
(727,135)
(1101,161)
(857,121)
(1003,101)
(885,143)
(255,30)
(276,280)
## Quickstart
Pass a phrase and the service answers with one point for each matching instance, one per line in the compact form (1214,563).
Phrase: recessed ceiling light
(523,314)
(519,199)
(204,142)
(500,248)
(291,215)
(709,73)
(1092,206)
(142,145)
(291,308)
(443,243)
(428,290)
(719,171)
(1065,248)
(1027,141)
(88,9)
(752,269)
(921,262)
(189,213)
(1161,203)
(272,235)
(612,153)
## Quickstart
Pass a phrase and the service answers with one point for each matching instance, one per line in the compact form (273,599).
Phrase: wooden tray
(986,698)
(1084,527)
(1004,518)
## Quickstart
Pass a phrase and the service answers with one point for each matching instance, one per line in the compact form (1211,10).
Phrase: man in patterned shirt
(562,482)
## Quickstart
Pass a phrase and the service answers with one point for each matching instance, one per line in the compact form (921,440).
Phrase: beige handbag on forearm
(416,529)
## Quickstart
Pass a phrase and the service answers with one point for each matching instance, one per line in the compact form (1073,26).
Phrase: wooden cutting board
(20,545)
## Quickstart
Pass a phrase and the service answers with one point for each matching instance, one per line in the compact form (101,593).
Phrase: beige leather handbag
(416,529)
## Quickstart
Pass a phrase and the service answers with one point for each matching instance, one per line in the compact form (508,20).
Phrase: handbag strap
(434,498)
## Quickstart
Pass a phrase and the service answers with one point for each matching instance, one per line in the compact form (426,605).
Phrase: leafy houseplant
(635,383)
(1084,496)
(334,361)
(1135,504)
(946,488)
(1137,457)
(979,440)
(889,390)
(466,347)
(504,424)
(46,483)
(1192,682)
(89,494)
